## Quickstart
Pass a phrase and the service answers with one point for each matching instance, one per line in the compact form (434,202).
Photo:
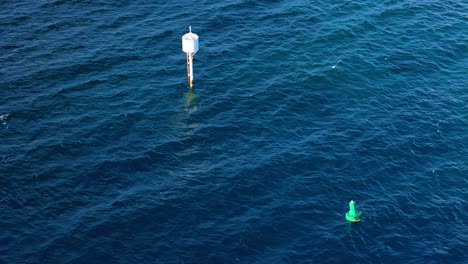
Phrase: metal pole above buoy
(190,47)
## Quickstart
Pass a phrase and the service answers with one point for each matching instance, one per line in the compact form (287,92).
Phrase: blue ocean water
(298,107)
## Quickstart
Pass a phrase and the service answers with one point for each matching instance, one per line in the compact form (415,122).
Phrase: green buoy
(353,215)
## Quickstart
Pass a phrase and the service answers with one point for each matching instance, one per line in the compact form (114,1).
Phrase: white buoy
(190,47)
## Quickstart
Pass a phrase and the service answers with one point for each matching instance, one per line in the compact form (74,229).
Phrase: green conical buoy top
(353,215)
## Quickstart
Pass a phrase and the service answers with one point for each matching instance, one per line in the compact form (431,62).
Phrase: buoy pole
(353,215)
(190,47)
(190,69)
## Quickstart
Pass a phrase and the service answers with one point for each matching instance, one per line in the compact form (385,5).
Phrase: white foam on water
(3,118)
(336,64)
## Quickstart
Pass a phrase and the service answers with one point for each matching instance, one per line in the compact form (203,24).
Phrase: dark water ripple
(299,107)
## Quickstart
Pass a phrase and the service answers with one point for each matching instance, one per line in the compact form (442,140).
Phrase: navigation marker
(190,47)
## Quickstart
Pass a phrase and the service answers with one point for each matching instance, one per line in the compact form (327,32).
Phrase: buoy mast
(190,47)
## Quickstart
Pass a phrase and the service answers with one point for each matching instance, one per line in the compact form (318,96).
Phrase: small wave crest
(3,118)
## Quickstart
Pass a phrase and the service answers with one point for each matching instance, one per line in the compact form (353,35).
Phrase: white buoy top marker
(190,42)
(190,47)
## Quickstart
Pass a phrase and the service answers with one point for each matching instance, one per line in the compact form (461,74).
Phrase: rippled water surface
(298,107)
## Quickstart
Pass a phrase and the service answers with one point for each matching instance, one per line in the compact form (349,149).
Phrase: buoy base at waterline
(353,218)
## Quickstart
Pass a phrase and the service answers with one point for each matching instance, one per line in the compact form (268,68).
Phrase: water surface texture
(298,107)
